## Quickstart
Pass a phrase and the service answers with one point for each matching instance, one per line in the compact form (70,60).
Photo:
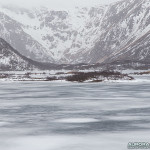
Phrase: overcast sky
(57,3)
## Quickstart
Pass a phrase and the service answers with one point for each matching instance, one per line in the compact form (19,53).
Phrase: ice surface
(54,116)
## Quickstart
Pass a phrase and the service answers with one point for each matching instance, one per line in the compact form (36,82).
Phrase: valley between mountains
(108,38)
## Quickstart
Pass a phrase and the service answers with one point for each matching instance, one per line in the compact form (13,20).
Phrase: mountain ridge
(85,35)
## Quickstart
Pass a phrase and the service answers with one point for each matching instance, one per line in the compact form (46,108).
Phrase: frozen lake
(71,116)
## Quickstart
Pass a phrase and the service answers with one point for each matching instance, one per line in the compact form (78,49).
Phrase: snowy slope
(13,33)
(62,34)
(127,26)
(10,59)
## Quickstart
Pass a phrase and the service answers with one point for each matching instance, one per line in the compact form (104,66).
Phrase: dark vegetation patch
(51,78)
(84,76)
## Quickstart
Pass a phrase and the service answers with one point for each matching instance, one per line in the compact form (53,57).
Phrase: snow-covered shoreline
(62,76)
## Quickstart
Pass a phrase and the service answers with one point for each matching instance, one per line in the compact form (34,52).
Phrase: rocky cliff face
(118,31)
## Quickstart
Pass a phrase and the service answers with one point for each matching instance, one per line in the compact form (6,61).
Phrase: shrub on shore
(84,76)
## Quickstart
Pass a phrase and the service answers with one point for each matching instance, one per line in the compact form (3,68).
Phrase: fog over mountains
(106,33)
(56,4)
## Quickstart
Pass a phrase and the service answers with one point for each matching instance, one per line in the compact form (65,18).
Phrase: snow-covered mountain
(60,35)
(10,59)
(90,35)
(126,33)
